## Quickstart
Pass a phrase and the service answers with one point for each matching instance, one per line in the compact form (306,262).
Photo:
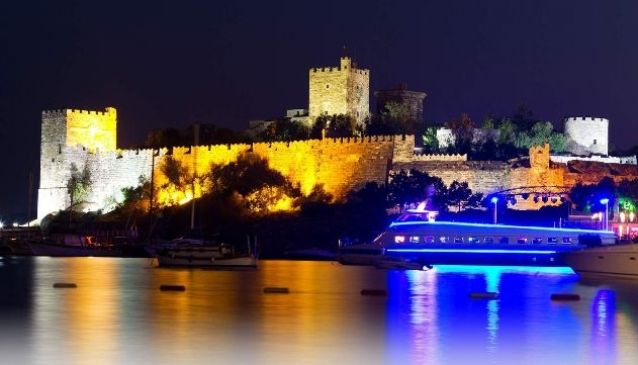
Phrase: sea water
(118,315)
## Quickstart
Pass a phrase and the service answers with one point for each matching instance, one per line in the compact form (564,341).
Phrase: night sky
(226,62)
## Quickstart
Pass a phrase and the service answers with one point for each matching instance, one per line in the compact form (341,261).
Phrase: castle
(88,139)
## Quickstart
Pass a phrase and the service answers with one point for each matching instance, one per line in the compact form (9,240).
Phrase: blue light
(460,250)
(483,225)
(494,199)
(493,270)
(604,201)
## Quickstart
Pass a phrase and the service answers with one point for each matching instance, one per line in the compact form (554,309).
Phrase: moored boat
(56,249)
(228,262)
(201,254)
(619,260)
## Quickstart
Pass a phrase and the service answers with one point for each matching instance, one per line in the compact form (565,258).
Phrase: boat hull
(495,255)
(247,262)
(61,250)
(616,260)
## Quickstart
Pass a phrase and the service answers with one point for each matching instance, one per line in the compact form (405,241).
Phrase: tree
(430,140)
(463,132)
(167,137)
(285,130)
(541,133)
(318,126)
(134,195)
(460,195)
(413,187)
(179,179)
(250,177)
(523,117)
(394,119)
(79,184)
(341,125)
(488,123)
(506,132)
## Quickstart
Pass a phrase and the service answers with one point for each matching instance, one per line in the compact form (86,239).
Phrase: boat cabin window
(552,240)
(537,240)
(429,239)
(399,239)
(504,240)
(522,240)
(444,239)
(474,239)
(489,240)
(414,239)
(458,239)
(567,240)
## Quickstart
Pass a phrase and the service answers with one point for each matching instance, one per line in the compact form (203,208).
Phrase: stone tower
(70,136)
(401,95)
(587,136)
(339,90)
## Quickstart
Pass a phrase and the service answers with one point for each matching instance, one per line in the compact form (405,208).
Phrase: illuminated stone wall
(339,90)
(339,165)
(110,171)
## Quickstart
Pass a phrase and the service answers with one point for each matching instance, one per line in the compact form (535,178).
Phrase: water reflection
(118,315)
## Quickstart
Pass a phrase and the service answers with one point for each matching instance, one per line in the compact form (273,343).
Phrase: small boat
(187,260)
(200,254)
(62,249)
(369,254)
(620,260)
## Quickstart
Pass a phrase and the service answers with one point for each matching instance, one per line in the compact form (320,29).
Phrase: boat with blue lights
(416,237)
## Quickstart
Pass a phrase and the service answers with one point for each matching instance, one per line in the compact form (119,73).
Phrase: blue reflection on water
(603,324)
(430,317)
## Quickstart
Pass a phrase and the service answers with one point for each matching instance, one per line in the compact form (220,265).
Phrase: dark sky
(171,63)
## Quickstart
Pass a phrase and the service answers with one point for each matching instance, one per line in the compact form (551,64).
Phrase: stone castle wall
(339,165)
(482,176)
(111,171)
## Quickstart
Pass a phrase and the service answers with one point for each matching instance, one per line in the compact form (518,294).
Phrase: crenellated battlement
(587,119)
(439,157)
(108,112)
(54,113)
(315,70)
(280,145)
(587,136)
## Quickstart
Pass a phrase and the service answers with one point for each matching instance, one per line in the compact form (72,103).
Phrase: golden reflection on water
(117,314)
(78,323)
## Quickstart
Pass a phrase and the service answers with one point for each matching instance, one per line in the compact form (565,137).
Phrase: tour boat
(619,260)
(416,237)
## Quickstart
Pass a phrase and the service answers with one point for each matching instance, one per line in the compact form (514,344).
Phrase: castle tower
(68,136)
(587,136)
(401,95)
(339,90)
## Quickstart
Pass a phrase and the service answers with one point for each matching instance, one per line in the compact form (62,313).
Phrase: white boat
(415,237)
(197,253)
(186,260)
(619,260)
